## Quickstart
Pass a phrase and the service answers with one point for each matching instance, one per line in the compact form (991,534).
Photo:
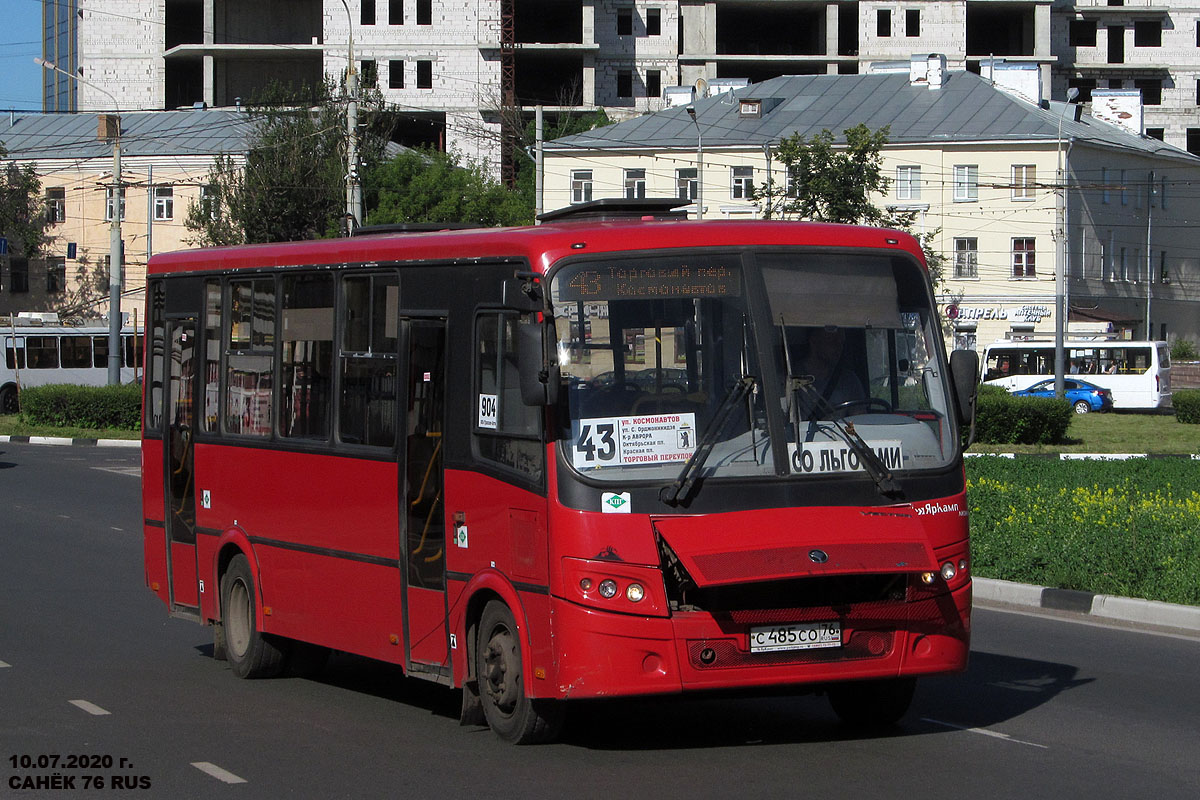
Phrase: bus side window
(249,366)
(369,337)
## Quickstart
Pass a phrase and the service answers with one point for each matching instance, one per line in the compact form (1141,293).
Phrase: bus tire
(251,653)
(509,713)
(9,404)
(872,704)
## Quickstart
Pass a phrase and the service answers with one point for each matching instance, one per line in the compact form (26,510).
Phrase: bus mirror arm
(964,372)
(523,292)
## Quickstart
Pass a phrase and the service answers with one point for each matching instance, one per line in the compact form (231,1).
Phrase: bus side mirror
(539,374)
(964,372)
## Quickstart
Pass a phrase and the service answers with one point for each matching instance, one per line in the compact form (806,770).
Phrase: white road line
(90,708)
(4,664)
(985,732)
(216,772)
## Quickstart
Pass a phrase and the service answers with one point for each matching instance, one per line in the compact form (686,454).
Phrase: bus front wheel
(510,714)
(251,653)
(872,704)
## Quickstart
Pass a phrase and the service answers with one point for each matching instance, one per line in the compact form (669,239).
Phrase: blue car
(1083,396)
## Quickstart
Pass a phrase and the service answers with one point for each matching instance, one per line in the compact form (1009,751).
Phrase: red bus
(586,459)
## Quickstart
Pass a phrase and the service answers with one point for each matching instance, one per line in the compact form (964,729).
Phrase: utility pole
(109,129)
(353,185)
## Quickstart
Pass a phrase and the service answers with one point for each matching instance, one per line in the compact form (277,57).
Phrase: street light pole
(114,239)
(691,110)
(1060,258)
(353,185)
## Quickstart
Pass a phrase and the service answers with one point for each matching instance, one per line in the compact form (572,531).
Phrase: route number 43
(597,442)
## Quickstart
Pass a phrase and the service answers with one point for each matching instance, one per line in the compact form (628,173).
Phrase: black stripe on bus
(534,588)
(155,523)
(381,561)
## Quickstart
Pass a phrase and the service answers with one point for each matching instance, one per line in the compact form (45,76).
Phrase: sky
(20,43)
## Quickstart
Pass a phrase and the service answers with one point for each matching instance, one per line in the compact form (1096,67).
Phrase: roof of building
(966,108)
(144,133)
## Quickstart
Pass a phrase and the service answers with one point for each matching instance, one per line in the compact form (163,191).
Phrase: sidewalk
(1124,609)
(61,440)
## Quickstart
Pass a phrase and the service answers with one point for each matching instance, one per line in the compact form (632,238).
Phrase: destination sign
(651,282)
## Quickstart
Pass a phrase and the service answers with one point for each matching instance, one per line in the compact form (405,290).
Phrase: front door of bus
(423,515)
(181,485)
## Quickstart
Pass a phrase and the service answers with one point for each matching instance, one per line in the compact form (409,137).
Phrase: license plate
(800,636)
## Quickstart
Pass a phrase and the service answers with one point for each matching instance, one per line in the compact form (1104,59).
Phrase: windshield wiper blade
(682,486)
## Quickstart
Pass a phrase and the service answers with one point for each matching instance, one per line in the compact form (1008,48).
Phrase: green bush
(1183,350)
(1001,418)
(1124,528)
(1187,405)
(67,405)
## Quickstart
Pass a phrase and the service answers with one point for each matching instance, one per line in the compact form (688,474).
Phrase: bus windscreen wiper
(885,481)
(682,486)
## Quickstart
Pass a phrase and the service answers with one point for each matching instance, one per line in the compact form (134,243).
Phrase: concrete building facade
(453,64)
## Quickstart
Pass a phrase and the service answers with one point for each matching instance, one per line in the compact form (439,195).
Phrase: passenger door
(179,433)
(423,515)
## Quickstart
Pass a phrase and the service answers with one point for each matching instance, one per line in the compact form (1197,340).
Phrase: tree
(23,219)
(293,183)
(431,186)
(831,183)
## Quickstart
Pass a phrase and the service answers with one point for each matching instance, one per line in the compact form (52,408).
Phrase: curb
(62,440)
(1124,609)
(1085,456)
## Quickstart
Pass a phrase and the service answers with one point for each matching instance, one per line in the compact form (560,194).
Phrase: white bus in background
(38,355)
(1137,373)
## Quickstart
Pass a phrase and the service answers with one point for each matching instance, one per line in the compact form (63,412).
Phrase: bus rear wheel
(8,400)
(251,653)
(512,715)
(872,704)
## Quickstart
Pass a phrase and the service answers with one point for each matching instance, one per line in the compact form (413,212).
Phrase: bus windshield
(820,355)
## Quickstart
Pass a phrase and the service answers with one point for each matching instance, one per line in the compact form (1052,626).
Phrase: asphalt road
(94,672)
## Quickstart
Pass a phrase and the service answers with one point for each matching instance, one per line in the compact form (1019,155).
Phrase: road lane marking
(4,664)
(985,732)
(90,708)
(216,772)
(133,472)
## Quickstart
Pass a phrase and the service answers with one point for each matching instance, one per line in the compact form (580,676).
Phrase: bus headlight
(949,571)
(608,588)
(635,593)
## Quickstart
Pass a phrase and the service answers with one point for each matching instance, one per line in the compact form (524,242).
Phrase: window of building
(793,183)
(1151,91)
(164,202)
(1193,141)
(306,366)
(1105,196)
(653,22)
(635,184)
(1124,189)
(966,183)
(249,357)
(56,204)
(1085,86)
(1116,44)
(368,74)
(581,185)
(108,204)
(1082,33)
(209,203)
(966,257)
(395,74)
(1147,33)
(624,83)
(883,23)
(1162,191)
(908,182)
(1124,273)
(624,22)
(424,74)
(367,359)
(653,83)
(366,13)
(1023,258)
(912,22)
(424,12)
(1156,133)
(1024,181)
(395,12)
(686,185)
(56,274)
(741,186)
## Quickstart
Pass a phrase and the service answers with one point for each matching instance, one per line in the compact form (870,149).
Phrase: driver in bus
(825,363)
